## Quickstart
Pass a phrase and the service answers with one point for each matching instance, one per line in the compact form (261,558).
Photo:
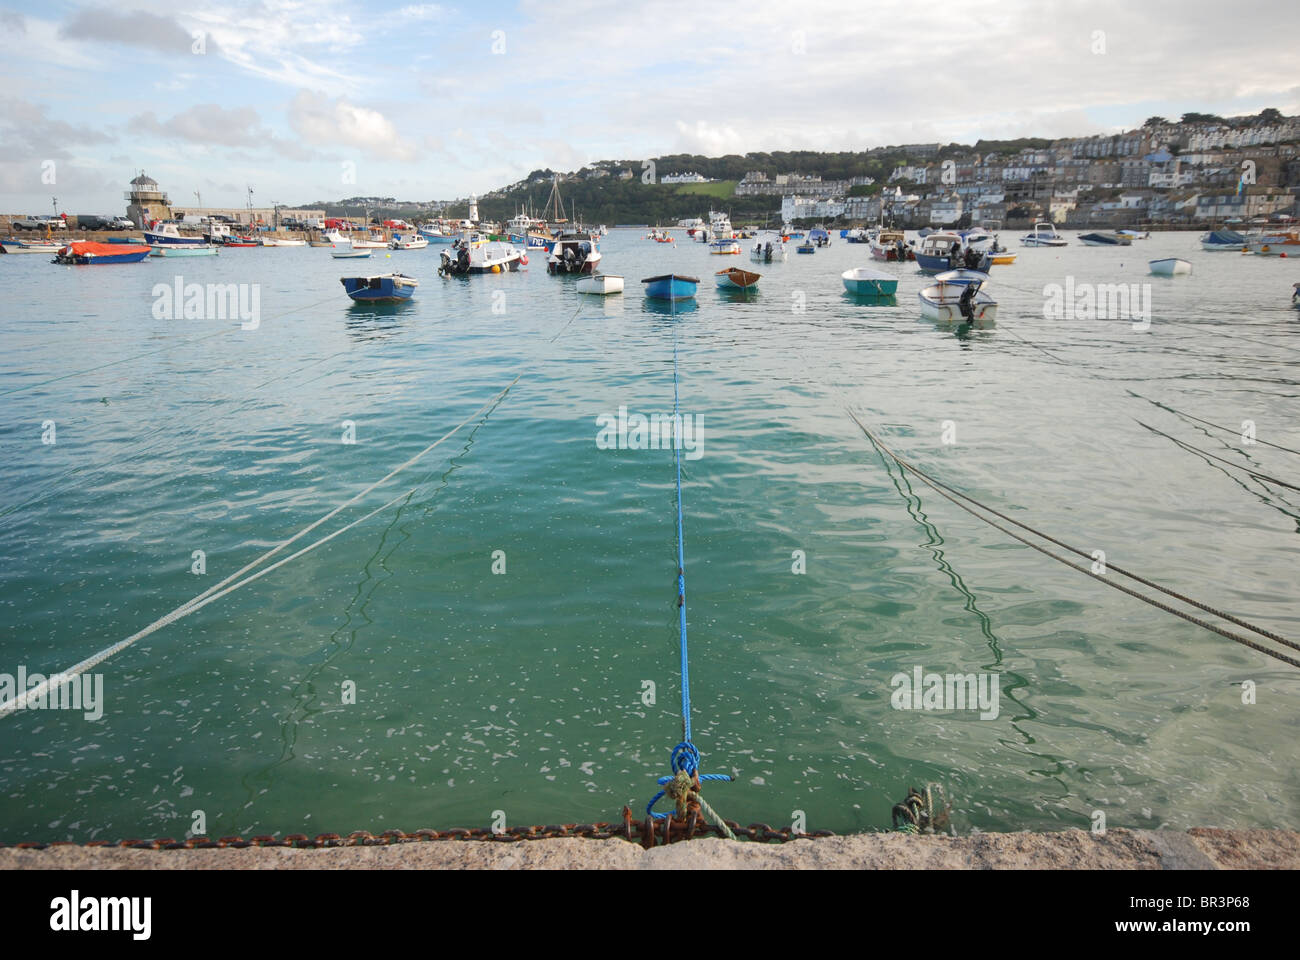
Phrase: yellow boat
(1005,258)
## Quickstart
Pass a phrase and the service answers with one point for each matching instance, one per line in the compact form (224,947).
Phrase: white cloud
(322,121)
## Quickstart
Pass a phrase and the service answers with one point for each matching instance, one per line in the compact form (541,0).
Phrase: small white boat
(373,242)
(26,246)
(724,245)
(963,276)
(412,241)
(1170,267)
(182,250)
(288,242)
(768,247)
(346,253)
(600,284)
(1043,235)
(942,303)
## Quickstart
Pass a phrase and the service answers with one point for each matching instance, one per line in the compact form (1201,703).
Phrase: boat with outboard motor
(961,303)
(381,288)
(768,247)
(573,253)
(1043,235)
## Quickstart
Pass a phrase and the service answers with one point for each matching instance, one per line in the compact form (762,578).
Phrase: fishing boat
(167,233)
(87,252)
(819,237)
(891,246)
(806,247)
(1105,240)
(237,241)
(411,241)
(1276,244)
(28,246)
(724,245)
(936,252)
(1220,240)
(768,247)
(942,303)
(573,253)
(182,250)
(474,253)
(600,284)
(733,278)
(1170,267)
(347,253)
(671,286)
(382,288)
(857,235)
(1043,235)
(870,282)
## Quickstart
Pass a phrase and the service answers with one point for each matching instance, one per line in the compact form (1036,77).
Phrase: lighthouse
(146,201)
(473,209)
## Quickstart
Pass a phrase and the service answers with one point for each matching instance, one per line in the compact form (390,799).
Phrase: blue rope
(684,756)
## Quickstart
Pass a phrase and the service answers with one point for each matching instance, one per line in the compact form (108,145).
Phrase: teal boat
(866,281)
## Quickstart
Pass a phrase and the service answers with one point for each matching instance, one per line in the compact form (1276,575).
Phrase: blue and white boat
(1219,240)
(434,233)
(869,282)
(1104,239)
(88,252)
(936,252)
(384,288)
(820,237)
(963,276)
(671,286)
(805,247)
(167,233)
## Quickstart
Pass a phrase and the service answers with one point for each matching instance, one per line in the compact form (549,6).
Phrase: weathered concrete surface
(1200,848)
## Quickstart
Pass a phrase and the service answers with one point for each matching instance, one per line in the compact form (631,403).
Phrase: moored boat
(724,245)
(600,284)
(1043,235)
(806,247)
(963,276)
(347,253)
(382,288)
(939,251)
(410,241)
(870,282)
(28,246)
(891,246)
(671,286)
(1105,240)
(473,253)
(1002,257)
(573,253)
(1170,267)
(733,278)
(1277,244)
(1217,241)
(182,250)
(167,233)
(951,302)
(87,252)
(768,247)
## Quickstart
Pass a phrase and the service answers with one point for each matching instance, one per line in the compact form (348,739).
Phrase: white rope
(215,592)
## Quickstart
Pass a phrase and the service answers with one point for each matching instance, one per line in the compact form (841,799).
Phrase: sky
(308,101)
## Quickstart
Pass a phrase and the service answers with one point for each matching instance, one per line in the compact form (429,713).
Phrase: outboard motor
(966,303)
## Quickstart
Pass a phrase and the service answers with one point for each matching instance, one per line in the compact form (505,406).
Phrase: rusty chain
(646,833)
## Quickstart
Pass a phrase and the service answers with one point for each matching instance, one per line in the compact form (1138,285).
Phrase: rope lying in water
(1205,453)
(957,497)
(228,585)
(1209,423)
(684,761)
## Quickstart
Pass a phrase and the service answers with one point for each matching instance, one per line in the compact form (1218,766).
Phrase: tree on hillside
(1154,122)
(1270,115)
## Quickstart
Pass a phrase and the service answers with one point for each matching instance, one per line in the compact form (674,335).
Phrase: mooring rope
(1209,423)
(1263,477)
(685,758)
(228,585)
(956,497)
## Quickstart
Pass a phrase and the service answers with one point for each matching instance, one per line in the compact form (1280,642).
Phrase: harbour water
(526,690)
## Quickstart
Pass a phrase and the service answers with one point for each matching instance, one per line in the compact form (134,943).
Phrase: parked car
(90,221)
(40,223)
(120,223)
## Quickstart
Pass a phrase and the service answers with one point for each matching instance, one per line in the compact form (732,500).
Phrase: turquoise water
(522,691)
